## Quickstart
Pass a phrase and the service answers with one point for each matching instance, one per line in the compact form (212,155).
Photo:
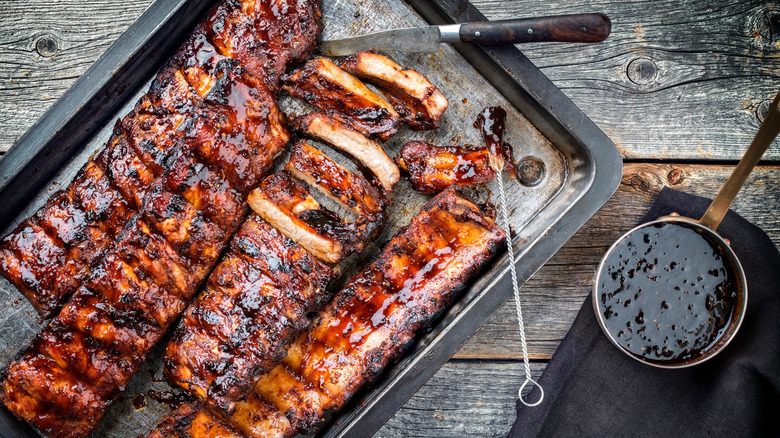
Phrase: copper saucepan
(655,311)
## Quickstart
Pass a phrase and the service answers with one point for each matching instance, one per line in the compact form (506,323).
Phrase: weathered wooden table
(679,86)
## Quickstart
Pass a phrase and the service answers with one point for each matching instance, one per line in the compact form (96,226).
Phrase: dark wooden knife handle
(575,28)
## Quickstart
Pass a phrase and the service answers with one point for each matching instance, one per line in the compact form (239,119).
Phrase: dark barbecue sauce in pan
(666,293)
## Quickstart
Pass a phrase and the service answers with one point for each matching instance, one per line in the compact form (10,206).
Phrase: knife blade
(576,28)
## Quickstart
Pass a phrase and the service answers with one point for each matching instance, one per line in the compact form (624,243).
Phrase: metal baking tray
(583,169)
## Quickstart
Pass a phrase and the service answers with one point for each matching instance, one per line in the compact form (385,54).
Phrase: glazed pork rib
(432,169)
(323,84)
(369,323)
(413,96)
(287,204)
(267,37)
(48,255)
(195,420)
(80,363)
(335,132)
(351,191)
(256,301)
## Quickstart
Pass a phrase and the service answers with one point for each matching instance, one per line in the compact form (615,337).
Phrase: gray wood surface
(679,86)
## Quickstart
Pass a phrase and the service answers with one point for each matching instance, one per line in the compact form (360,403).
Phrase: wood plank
(552,298)
(45,47)
(693,75)
(674,79)
(465,398)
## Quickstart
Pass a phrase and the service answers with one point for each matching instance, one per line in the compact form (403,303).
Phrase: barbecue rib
(335,132)
(432,169)
(287,204)
(48,262)
(255,303)
(323,84)
(267,37)
(351,191)
(370,322)
(413,96)
(79,364)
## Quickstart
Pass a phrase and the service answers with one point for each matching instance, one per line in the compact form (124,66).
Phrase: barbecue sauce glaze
(666,293)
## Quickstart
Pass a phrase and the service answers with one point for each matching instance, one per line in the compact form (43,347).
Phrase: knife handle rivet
(477,34)
(530,31)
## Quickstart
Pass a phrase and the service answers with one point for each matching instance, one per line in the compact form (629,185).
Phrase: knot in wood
(638,183)
(675,176)
(530,171)
(767,27)
(762,109)
(46,46)
(642,71)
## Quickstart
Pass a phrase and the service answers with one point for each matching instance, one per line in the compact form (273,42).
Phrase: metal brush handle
(497,164)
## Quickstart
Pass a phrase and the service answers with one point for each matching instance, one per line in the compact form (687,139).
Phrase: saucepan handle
(766,134)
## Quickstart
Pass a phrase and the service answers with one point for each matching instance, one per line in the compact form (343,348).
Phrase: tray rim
(367,417)
(110,77)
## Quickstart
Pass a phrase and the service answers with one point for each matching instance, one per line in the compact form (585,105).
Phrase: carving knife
(574,28)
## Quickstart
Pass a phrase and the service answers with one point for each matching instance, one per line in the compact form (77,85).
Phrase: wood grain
(675,79)
(45,47)
(693,76)
(465,399)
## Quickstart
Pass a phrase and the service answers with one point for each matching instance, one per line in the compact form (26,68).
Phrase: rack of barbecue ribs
(238,329)
(49,254)
(160,239)
(366,326)
(416,100)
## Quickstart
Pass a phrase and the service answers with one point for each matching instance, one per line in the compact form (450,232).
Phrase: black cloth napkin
(593,389)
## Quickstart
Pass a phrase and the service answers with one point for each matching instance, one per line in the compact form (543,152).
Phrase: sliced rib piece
(413,96)
(432,169)
(323,84)
(194,420)
(287,204)
(256,301)
(351,191)
(149,275)
(335,132)
(373,319)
